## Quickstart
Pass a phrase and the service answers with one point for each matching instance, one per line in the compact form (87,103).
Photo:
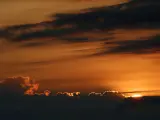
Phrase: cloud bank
(18,86)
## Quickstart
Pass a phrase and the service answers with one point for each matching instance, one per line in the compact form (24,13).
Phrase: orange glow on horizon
(137,96)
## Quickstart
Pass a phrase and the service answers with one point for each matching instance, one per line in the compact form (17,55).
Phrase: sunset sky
(98,60)
(31,11)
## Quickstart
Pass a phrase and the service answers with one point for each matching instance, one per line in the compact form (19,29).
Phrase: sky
(32,11)
(120,57)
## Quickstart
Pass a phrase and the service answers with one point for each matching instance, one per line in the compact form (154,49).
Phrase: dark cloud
(43,34)
(134,14)
(84,39)
(18,86)
(151,45)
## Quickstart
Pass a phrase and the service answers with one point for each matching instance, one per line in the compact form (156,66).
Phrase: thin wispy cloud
(150,45)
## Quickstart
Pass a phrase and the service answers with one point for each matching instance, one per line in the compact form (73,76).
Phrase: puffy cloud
(95,94)
(76,93)
(47,92)
(108,94)
(18,86)
(105,93)
(69,94)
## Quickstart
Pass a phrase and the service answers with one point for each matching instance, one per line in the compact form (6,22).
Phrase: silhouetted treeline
(92,108)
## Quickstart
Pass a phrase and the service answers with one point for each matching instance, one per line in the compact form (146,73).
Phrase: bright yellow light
(136,96)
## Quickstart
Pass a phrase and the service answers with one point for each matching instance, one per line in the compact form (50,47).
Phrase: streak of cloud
(137,14)
(150,45)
